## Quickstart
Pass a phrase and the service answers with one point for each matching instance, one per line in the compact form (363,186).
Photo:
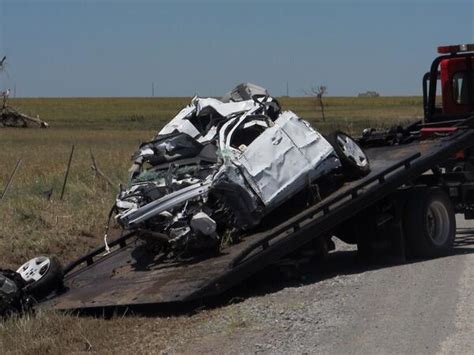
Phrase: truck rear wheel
(429,223)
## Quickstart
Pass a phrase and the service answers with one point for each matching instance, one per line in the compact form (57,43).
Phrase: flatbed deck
(130,275)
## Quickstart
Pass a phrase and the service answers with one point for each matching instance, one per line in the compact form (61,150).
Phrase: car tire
(354,161)
(429,223)
(42,282)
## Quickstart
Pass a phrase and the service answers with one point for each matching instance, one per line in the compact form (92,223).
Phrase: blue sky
(118,48)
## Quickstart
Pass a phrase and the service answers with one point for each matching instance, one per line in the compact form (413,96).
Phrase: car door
(278,163)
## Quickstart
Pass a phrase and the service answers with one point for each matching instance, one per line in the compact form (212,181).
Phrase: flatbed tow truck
(421,176)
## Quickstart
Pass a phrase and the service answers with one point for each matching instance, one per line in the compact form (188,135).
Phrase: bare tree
(318,92)
(2,63)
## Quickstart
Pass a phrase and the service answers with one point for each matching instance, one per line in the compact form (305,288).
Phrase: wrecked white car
(223,167)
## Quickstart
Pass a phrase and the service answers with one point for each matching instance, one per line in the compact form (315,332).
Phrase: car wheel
(42,275)
(429,223)
(354,161)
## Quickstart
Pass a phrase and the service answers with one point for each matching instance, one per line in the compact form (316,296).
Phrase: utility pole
(287,89)
(152,89)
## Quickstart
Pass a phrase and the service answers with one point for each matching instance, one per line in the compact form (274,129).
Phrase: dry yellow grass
(30,224)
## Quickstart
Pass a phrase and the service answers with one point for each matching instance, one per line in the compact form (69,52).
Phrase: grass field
(112,129)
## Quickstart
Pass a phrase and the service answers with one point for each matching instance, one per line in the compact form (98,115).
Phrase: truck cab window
(460,88)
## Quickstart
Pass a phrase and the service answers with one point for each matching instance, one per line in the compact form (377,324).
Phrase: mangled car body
(220,166)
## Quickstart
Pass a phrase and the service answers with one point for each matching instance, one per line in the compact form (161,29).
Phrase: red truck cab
(453,72)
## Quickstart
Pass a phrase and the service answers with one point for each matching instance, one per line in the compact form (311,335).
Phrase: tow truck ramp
(131,275)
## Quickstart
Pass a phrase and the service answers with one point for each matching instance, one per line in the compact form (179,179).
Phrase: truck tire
(354,161)
(42,275)
(429,223)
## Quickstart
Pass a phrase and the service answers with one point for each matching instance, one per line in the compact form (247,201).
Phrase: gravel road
(343,308)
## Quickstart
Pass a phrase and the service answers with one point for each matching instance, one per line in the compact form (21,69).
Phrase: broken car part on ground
(20,290)
(219,167)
